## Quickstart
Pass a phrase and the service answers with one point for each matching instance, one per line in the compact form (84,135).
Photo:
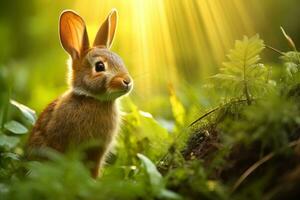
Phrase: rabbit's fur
(88,111)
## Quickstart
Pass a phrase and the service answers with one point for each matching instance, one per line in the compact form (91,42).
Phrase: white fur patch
(105,97)
(81,91)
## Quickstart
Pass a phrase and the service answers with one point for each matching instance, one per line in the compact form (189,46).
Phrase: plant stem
(246,89)
(275,50)
(215,109)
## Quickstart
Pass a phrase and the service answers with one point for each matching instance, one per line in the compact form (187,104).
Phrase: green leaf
(15,127)
(154,176)
(156,179)
(8,141)
(150,137)
(167,194)
(28,113)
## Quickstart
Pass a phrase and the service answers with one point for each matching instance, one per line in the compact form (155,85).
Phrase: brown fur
(72,120)
(88,111)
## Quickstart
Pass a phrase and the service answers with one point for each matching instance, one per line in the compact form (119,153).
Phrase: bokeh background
(163,42)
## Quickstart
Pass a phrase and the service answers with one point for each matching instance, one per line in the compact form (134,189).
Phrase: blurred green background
(163,43)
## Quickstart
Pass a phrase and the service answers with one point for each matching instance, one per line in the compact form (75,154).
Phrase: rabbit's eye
(99,66)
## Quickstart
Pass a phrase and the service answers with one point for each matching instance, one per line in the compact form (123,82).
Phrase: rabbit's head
(95,70)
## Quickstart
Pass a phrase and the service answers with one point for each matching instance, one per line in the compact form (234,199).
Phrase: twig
(205,115)
(215,109)
(275,50)
(253,167)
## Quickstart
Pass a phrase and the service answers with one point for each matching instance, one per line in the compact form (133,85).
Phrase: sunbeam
(171,39)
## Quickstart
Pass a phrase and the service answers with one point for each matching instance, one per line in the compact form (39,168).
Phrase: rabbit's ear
(107,30)
(73,34)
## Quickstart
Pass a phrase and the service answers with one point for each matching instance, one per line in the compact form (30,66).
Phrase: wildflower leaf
(28,113)
(154,176)
(15,127)
(8,141)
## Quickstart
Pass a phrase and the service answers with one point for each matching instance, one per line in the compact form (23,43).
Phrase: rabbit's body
(88,112)
(75,119)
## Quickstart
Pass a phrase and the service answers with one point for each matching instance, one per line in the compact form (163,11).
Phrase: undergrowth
(254,129)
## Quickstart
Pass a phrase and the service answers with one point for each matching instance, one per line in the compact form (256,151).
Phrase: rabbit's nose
(126,81)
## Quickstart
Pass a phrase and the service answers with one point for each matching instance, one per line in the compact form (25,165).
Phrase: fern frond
(243,69)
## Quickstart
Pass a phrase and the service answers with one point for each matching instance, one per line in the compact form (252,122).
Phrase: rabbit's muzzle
(121,82)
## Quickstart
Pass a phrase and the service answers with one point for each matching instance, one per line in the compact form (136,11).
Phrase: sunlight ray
(154,40)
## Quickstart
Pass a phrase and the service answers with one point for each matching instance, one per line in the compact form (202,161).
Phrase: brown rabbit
(88,111)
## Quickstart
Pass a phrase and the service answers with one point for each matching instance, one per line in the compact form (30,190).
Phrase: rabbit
(88,111)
